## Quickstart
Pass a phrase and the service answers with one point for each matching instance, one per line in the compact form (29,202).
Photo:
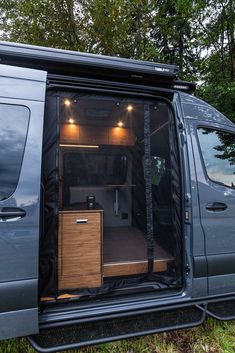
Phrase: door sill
(58,312)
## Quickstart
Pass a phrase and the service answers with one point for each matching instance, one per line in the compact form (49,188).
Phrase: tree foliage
(196,35)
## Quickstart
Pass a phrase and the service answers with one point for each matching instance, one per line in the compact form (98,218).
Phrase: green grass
(211,337)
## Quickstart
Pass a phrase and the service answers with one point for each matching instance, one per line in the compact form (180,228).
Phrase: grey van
(117,200)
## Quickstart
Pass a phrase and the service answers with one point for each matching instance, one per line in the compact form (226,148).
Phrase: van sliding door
(22,95)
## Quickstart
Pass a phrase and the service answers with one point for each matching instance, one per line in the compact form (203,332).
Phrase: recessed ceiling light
(79,146)
(120,123)
(67,102)
(129,108)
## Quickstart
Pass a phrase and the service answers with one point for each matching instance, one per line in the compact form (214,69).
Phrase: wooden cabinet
(121,136)
(89,135)
(80,249)
(93,135)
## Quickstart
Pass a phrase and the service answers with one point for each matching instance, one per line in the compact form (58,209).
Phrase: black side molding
(222,264)
(216,265)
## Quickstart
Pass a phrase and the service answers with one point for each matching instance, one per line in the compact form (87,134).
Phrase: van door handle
(11,213)
(216,206)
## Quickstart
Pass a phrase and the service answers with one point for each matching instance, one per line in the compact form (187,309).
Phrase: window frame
(24,146)
(214,128)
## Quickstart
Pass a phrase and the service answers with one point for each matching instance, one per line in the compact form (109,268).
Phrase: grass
(211,337)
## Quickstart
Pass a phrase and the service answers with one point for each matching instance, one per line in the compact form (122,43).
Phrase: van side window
(14,121)
(218,151)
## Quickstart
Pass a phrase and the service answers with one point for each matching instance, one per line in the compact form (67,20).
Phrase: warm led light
(120,123)
(71,120)
(129,108)
(67,102)
(79,146)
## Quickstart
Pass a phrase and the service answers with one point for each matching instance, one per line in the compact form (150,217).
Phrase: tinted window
(218,151)
(13,130)
(205,111)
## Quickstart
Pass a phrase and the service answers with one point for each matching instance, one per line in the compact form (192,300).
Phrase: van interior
(111,196)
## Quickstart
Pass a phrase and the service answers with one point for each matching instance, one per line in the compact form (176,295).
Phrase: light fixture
(129,108)
(79,146)
(71,120)
(120,123)
(67,102)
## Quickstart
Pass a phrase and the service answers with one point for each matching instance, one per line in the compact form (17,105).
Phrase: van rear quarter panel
(19,240)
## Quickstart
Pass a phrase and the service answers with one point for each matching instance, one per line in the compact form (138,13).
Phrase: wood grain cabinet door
(80,250)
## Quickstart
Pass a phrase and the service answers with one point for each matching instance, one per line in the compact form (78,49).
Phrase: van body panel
(199,287)
(21,83)
(19,237)
(18,323)
(22,73)
(218,226)
(222,284)
(18,294)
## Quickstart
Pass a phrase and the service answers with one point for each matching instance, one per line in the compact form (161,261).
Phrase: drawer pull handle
(82,221)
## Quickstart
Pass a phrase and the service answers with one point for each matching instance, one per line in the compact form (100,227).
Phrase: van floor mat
(95,332)
(122,244)
(222,310)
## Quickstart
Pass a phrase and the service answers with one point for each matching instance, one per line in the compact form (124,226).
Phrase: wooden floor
(125,253)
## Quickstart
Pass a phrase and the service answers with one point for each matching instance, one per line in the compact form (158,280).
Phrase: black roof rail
(67,62)
(24,51)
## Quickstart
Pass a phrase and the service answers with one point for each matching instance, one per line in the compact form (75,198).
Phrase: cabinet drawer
(81,227)
(79,258)
(79,255)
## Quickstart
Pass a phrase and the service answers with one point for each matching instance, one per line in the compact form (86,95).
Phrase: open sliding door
(22,95)
(113,223)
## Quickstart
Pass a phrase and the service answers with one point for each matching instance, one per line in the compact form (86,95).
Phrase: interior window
(218,151)
(14,123)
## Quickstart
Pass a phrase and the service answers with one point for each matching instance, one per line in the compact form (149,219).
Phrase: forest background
(196,35)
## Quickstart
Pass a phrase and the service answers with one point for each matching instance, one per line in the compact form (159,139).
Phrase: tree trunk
(231,37)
